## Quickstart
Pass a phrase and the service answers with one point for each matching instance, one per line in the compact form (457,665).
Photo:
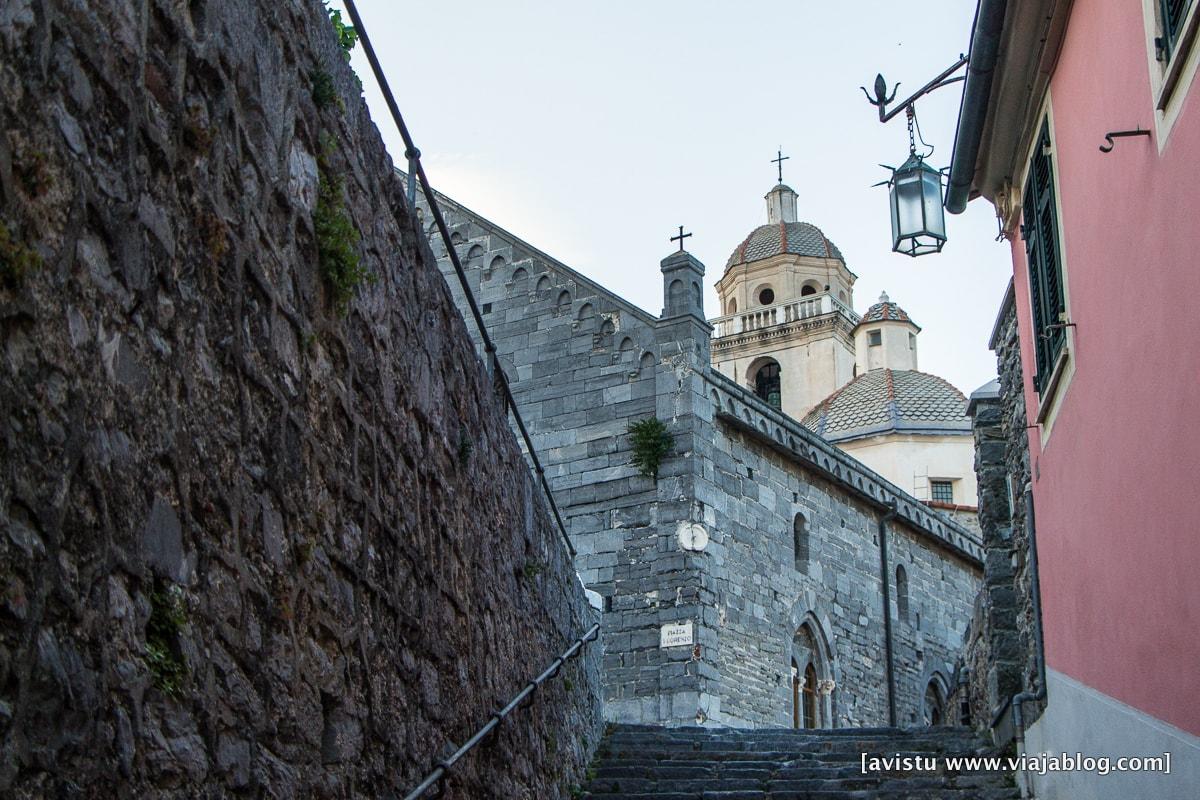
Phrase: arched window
(807,289)
(902,592)
(767,384)
(800,545)
(733,306)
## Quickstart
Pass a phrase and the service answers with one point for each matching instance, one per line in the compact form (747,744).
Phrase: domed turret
(885,338)
(783,233)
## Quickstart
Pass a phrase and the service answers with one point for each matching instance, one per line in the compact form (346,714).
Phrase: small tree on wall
(651,443)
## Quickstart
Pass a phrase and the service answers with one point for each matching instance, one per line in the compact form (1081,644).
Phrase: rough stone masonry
(253,543)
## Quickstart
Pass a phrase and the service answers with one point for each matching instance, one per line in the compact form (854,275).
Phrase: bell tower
(787,320)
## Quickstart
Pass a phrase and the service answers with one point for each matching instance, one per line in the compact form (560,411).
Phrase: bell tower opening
(767,383)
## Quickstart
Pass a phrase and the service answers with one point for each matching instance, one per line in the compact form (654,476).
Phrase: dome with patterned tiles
(890,401)
(887,311)
(783,233)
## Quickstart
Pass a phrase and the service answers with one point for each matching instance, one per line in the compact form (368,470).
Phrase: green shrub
(337,238)
(168,615)
(651,443)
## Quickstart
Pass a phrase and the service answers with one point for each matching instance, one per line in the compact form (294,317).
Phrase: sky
(593,129)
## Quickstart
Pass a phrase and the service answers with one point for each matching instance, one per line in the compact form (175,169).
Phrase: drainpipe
(887,612)
(985,45)
(1039,648)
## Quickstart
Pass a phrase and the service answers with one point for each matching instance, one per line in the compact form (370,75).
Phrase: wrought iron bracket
(882,100)
(1108,137)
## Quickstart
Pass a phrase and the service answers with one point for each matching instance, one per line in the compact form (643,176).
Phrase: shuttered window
(1040,228)
(1172,13)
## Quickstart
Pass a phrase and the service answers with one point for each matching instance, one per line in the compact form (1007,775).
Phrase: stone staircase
(640,762)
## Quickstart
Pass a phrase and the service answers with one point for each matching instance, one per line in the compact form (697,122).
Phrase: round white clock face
(692,536)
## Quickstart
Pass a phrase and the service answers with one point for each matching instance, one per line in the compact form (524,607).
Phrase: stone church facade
(745,586)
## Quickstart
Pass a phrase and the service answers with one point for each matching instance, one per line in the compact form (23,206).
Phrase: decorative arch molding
(935,674)
(811,614)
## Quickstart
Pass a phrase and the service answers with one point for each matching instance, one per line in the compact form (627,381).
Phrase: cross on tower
(779,161)
(680,238)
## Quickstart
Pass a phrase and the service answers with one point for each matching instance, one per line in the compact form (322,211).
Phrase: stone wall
(253,544)
(584,364)
(999,652)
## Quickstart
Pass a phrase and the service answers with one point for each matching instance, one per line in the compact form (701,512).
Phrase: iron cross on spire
(778,160)
(680,238)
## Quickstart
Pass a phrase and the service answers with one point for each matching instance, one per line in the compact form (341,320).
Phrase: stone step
(643,762)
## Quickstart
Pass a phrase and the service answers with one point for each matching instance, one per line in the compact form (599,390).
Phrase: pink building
(1106,265)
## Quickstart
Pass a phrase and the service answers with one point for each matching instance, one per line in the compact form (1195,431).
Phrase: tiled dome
(890,401)
(886,311)
(798,238)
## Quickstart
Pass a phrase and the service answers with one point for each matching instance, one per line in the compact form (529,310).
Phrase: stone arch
(585,312)
(563,303)
(457,238)
(716,400)
(497,263)
(646,361)
(543,283)
(626,345)
(676,296)
(810,647)
(732,307)
(697,295)
(809,288)
(520,281)
(764,377)
(934,710)
(603,340)
(474,256)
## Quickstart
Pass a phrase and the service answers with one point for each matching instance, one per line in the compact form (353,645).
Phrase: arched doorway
(933,705)
(812,686)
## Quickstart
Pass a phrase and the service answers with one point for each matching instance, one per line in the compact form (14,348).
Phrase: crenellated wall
(253,543)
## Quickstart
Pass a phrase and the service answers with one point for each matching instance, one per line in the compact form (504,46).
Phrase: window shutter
(1173,12)
(1042,255)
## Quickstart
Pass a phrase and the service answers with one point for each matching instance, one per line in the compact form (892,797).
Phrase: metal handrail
(444,767)
(414,157)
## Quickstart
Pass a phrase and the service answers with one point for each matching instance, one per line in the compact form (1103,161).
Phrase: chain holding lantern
(915,188)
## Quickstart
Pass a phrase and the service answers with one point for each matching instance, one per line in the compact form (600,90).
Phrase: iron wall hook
(1108,137)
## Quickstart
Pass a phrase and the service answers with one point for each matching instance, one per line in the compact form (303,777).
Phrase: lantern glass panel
(935,219)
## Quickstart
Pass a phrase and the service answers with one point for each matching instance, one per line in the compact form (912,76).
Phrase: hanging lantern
(918,219)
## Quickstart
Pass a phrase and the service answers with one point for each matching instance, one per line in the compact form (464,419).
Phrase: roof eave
(1002,99)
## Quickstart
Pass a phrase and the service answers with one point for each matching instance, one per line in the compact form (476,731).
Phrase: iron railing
(415,168)
(446,766)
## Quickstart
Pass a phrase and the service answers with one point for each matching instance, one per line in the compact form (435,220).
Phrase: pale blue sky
(592,130)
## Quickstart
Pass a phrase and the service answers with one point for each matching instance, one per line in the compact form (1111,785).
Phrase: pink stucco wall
(1117,487)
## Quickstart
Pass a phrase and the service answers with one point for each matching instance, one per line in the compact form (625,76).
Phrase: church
(789,332)
(784,564)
